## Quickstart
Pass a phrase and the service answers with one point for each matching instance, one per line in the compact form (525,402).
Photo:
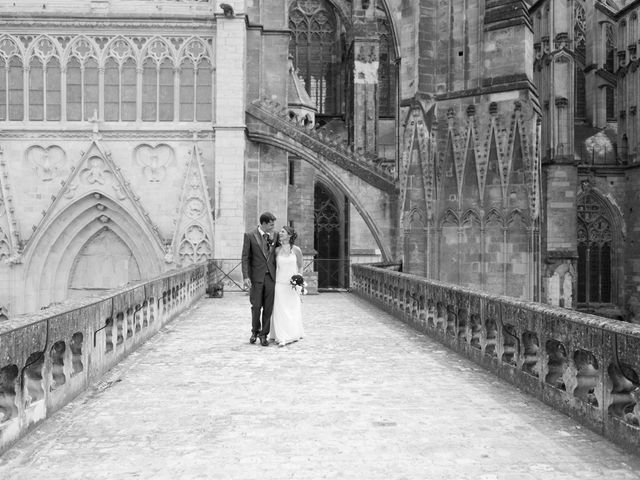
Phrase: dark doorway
(331,238)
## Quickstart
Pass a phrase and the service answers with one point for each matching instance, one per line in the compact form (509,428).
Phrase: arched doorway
(331,238)
(104,262)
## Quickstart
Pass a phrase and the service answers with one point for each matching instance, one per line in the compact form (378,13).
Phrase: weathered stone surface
(360,395)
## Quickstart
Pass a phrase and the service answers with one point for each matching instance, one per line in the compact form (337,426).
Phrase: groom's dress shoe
(264,342)
(253,338)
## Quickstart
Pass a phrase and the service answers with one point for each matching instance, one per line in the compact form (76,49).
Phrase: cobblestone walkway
(362,396)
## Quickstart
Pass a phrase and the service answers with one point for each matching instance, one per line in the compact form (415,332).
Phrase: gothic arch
(30,53)
(415,218)
(600,237)
(330,235)
(189,51)
(71,49)
(339,7)
(19,50)
(449,217)
(516,215)
(469,217)
(494,215)
(108,53)
(50,256)
(334,178)
(383,4)
(170,52)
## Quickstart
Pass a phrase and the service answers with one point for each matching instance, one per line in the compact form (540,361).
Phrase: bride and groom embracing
(271,264)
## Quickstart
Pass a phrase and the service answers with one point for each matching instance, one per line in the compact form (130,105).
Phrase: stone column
(365,87)
(229,125)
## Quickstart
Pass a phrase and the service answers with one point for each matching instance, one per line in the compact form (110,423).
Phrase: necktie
(266,242)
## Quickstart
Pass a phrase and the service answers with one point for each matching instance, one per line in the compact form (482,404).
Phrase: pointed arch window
(387,69)
(315,47)
(120,90)
(157,83)
(610,47)
(11,81)
(195,91)
(15,89)
(82,81)
(44,82)
(594,251)
(196,84)
(120,83)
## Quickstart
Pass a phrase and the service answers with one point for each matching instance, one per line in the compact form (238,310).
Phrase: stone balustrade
(48,358)
(585,366)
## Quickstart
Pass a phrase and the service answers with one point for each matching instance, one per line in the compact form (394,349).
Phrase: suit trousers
(261,298)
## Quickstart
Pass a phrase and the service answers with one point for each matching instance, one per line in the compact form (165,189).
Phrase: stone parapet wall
(48,358)
(585,366)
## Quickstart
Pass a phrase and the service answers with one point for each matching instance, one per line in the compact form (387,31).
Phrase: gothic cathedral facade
(487,143)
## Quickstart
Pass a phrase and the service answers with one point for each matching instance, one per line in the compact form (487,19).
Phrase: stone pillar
(365,87)
(561,227)
(229,148)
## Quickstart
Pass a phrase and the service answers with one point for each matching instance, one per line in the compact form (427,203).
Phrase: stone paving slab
(362,396)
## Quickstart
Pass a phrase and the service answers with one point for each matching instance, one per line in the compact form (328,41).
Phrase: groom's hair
(267,217)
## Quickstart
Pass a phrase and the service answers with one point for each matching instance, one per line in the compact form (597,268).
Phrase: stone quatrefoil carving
(154,161)
(49,162)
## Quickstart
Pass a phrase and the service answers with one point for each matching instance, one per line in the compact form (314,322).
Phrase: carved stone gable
(97,175)
(193,238)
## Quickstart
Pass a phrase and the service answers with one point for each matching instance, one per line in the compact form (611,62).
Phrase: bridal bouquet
(298,284)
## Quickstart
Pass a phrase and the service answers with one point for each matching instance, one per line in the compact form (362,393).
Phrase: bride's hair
(292,235)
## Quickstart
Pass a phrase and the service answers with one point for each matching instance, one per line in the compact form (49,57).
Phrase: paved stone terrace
(362,396)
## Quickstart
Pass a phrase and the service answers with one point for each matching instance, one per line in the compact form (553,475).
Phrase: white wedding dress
(286,323)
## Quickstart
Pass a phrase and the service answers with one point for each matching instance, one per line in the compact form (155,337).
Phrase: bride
(286,323)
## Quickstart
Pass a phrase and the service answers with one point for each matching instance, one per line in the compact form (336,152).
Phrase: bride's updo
(292,234)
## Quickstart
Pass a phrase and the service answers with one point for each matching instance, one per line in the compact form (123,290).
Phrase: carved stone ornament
(154,161)
(49,162)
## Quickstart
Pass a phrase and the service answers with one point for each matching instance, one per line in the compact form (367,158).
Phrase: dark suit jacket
(255,264)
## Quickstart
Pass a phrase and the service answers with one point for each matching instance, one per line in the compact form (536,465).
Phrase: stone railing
(376,171)
(585,366)
(49,357)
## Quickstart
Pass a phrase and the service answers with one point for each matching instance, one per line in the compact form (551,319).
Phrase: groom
(259,274)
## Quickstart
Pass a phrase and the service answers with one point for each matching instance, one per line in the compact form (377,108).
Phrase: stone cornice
(605,169)
(107,134)
(63,23)
(493,85)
